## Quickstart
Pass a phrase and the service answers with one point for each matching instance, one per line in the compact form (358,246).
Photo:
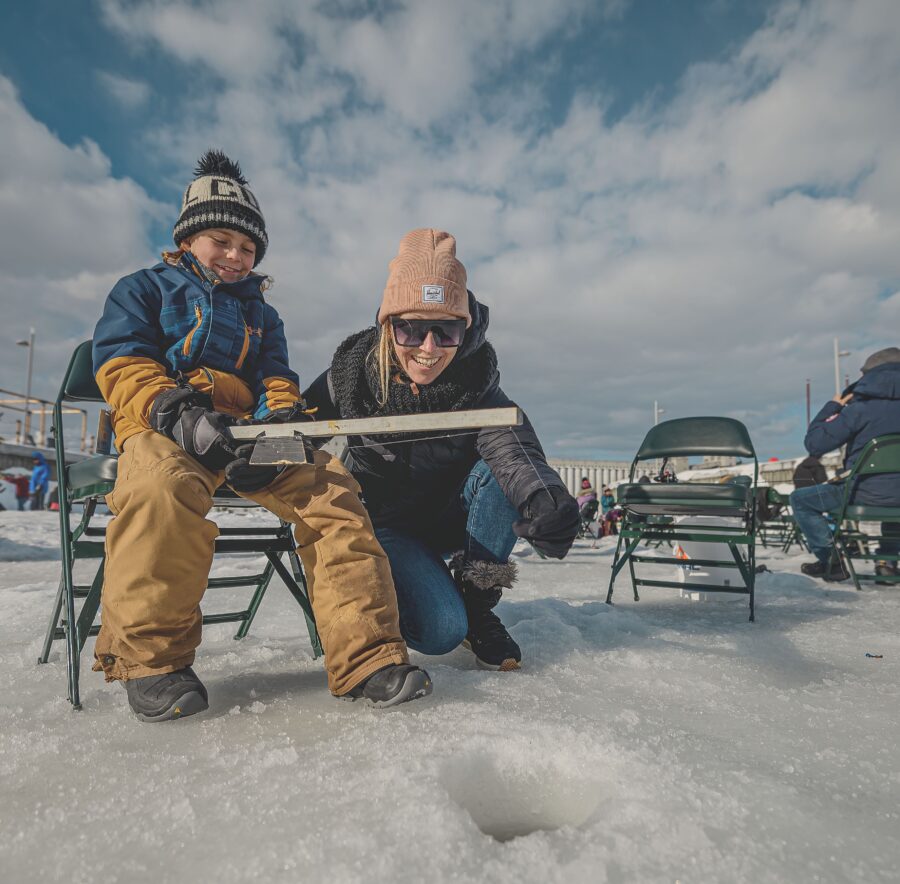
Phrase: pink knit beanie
(426,276)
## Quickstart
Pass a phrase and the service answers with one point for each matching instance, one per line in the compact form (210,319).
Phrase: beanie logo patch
(432,294)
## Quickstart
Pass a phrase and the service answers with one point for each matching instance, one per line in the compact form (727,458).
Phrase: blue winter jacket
(873,411)
(170,321)
(40,475)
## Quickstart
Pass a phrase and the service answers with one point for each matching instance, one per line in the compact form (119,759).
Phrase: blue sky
(682,201)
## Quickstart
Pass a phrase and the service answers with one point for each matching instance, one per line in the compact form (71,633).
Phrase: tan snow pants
(159,549)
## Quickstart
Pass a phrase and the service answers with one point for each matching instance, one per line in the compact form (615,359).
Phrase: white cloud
(703,253)
(70,230)
(127,92)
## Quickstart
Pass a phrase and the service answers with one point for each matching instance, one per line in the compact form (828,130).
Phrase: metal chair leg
(615,570)
(54,622)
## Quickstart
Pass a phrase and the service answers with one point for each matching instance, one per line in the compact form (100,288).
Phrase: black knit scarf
(354,378)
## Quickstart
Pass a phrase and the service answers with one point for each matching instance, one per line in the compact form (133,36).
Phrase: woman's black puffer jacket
(408,484)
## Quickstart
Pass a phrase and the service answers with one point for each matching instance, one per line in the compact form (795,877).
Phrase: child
(181,352)
(21,485)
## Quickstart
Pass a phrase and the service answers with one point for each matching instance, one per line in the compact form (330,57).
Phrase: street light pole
(838,353)
(30,345)
(657,411)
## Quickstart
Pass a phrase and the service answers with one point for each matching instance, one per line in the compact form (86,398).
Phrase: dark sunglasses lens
(405,334)
(448,334)
(412,332)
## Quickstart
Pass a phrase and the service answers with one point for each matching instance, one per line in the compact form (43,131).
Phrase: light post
(30,345)
(838,353)
(657,411)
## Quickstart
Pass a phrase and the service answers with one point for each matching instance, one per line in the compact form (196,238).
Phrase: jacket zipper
(186,349)
(244,349)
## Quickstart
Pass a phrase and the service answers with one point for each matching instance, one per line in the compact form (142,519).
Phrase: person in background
(869,408)
(809,472)
(607,500)
(40,480)
(587,493)
(22,489)
(611,521)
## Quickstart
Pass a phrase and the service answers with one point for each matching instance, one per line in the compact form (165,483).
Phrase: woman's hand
(551,521)
(842,400)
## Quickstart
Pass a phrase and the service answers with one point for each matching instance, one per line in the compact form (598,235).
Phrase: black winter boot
(481,584)
(832,571)
(396,683)
(166,697)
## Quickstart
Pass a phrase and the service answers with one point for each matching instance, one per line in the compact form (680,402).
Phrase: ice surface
(655,741)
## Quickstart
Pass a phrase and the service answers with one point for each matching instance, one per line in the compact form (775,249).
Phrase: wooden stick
(475,419)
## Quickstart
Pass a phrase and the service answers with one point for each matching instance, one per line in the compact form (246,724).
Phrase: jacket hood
(36,455)
(477,331)
(882,382)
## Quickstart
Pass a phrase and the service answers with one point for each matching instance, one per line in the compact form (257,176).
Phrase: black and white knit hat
(219,197)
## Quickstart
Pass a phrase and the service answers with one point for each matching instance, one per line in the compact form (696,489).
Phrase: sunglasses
(412,332)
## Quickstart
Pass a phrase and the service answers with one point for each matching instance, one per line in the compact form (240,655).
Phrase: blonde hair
(384,358)
(174,257)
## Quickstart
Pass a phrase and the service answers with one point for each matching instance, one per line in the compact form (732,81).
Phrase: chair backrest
(881,455)
(589,508)
(686,436)
(79,383)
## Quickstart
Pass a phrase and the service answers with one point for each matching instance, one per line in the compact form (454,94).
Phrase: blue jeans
(810,504)
(477,521)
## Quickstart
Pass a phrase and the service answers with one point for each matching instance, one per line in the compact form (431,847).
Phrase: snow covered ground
(665,740)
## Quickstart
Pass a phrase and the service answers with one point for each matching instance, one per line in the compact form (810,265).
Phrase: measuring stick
(474,419)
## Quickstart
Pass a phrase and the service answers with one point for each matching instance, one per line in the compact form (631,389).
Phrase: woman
(464,495)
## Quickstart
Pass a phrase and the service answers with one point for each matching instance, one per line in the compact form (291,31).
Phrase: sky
(682,202)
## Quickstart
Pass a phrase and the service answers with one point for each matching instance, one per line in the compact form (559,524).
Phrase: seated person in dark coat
(869,408)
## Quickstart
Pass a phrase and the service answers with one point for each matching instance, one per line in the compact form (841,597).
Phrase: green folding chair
(86,483)
(776,525)
(651,510)
(880,456)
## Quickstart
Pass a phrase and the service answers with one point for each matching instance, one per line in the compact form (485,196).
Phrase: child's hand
(204,436)
(243,477)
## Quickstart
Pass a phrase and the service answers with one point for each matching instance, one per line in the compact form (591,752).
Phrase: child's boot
(167,697)
(394,684)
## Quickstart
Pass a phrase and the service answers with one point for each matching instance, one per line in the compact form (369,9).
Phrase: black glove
(168,407)
(241,476)
(186,417)
(204,436)
(550,522)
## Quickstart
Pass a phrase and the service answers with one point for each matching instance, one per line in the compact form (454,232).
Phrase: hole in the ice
(509,799)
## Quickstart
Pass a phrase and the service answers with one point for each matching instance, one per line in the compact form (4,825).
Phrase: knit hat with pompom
(219,197)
